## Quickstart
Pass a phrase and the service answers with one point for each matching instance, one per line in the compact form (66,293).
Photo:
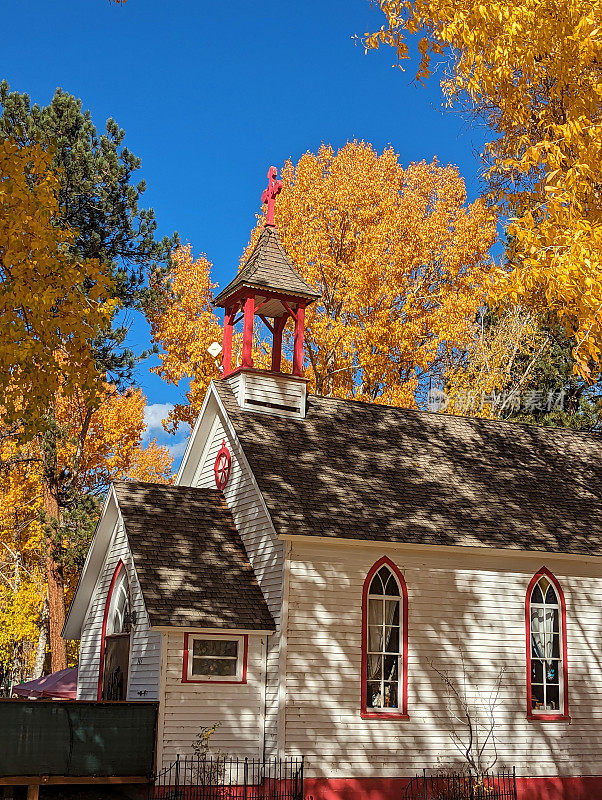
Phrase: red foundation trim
(401,713)
(564,715)
(118,568)
(245,651)
(546,788)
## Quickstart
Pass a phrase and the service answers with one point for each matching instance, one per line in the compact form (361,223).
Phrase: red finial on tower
(269,195)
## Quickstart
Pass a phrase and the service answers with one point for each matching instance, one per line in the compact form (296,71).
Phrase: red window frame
(560,716)
(103,635)
(402,712)
(245,650)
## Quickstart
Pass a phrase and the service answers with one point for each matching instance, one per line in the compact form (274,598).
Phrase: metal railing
(225,778)
(462,786)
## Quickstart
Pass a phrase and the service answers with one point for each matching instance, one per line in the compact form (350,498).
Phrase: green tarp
(76,738)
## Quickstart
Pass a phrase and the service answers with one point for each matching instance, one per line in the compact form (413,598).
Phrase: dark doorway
(115,673)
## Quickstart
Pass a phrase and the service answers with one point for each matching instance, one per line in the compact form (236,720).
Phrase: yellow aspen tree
(22,572)
(47,319)
(400,260)
(488,370)
(183,323)
(398,255)
(89,447)
(531,69)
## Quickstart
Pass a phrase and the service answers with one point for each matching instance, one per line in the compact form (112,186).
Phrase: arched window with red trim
(115,639)
(384,643)
(547,669)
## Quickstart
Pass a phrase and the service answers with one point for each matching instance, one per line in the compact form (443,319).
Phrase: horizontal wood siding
(460,606)
(188,707)
(145,643)
(264,550)
(285,395)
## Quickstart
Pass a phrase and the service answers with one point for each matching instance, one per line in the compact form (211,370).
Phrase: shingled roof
(362,471)
(269,267)
(189,558)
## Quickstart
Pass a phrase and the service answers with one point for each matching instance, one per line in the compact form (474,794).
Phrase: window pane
(391,587)
(556,646)
(373,695)
(537,596)
(536,671)
(551,595)
(551,619)
(375,639)
(537,648)
(214,666)
(391,695)
(552,672)
(391,668)
(384,573)
(376,585)
(375,611)
(375,667)
(552,698)
(391,612)
(537,616)
(392,640)
(215,647)
(537,697)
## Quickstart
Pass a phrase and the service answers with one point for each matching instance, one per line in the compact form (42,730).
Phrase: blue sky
(211,93)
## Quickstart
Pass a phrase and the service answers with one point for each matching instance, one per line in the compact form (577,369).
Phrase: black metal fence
(222,778)
(462,786)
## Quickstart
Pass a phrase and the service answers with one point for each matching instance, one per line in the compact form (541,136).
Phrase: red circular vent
(221,468)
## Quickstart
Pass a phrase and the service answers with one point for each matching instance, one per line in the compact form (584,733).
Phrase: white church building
(325,574)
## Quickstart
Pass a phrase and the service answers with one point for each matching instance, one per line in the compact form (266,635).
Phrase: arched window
(547,676)
(384,642)
(115,639)
(119,607)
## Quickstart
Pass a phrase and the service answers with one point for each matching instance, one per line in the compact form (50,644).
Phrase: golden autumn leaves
(400,260)
(63,429)
(531,69)
(46,319)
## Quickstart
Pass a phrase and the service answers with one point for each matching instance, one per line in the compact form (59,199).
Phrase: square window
(215,658)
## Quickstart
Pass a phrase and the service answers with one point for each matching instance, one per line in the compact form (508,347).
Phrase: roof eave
(233,289)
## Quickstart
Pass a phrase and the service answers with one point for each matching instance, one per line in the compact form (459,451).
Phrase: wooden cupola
(268,287)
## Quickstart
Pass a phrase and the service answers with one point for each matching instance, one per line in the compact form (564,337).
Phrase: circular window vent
(221,468)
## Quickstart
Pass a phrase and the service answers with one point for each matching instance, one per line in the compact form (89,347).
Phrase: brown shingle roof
(269,267)
(189,558)
(363,471)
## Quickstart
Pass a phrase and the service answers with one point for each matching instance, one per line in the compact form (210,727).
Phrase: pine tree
(98,199)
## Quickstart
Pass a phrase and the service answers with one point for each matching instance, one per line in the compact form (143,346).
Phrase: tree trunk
(56,590)
(38,666)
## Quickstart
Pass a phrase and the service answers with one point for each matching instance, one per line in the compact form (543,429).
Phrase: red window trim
(103,636)
(245,650)
(401,713)
(564,715)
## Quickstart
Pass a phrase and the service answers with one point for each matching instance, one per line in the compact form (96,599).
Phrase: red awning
(60,685)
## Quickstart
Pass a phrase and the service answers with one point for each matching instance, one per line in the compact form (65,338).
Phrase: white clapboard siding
(145,644)
(459,605)
(265,553)
(269,393)
(188,707)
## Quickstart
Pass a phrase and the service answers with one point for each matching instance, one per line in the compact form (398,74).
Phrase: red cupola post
(268,286)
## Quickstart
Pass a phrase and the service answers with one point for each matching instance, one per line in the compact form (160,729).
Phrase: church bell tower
(267,287)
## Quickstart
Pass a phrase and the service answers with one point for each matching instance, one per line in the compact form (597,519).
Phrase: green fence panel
(76,738)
